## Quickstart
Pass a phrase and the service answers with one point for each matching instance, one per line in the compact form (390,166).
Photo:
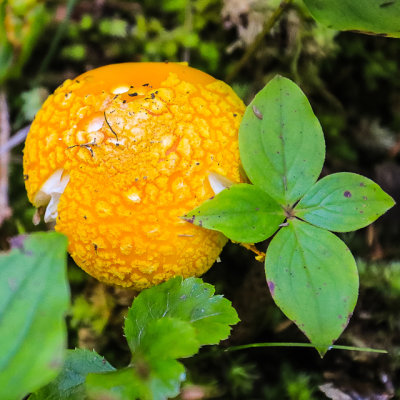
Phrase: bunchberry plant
(310,272)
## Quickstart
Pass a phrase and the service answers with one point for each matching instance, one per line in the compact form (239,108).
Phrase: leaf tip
(322,351)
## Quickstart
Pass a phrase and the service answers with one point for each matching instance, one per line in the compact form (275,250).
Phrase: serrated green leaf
(165,322)
(242,212)
(69,384)
(154,373)
(313,279)
(343,202)
(34,299)
(281,142)
(380,17)
(189,300)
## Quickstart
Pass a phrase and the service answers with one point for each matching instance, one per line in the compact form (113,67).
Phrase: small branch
(15,140)
(258,40)
(5,130)
(62,27)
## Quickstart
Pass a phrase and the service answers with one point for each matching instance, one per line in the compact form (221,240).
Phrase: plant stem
(258,40)
(279,344)
(57,37)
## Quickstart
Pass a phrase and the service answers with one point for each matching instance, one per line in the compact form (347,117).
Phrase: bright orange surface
(137,161)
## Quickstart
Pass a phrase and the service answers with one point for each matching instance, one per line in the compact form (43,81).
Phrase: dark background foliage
(353,85)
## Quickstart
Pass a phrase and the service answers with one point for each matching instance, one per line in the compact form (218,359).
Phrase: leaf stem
(257,41)
(260,255)
(290,344)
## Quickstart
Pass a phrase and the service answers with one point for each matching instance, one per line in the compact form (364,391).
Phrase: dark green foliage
(365,16)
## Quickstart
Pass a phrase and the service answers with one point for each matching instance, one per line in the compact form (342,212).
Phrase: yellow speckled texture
(137,161)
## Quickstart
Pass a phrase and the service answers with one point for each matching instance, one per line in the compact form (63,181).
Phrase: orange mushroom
(120,153)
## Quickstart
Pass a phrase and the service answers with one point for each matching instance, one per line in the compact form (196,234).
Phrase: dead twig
(258,40)
(5,131)
(14,140)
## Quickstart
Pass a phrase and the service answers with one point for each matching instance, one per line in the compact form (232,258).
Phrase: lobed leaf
(243,213)
(34,299)
(343,202)
(380,17)
(189,300)
(166,322)
(281,142)
(70,383)
(313,279)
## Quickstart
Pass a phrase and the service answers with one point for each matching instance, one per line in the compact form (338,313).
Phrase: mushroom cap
(120,153)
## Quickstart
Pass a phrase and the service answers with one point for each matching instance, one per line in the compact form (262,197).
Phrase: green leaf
(169,338)
(313,279)
(34,299)
(242,212)
(343,202)
(189,300)
(69,384)
(379,17)
(281,142)
(168,321)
